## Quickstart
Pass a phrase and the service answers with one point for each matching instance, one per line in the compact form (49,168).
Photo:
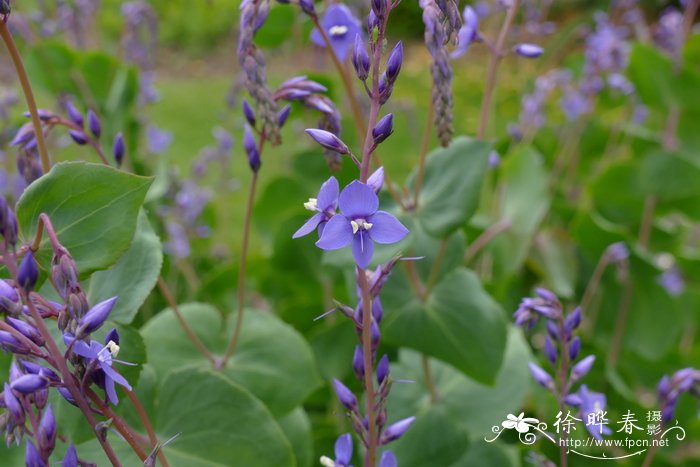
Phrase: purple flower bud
(95,317)
(383,369)
(118,149)
(343,450)
(664,387)
(388,459)
(12,344)
(582,368)
(572,321)
(376,181)
(28,384)
(307,6)
(328,140)
(78,136)
(47,430)
(14,372)
(547,295)
(528,50)
(372,22)
(32,458)
(541,377)
(345,396)
(283,115)
(553,330)
(94,124)
(668,412)
(112,336)
(66,395)
(393,64)
(494,159)
(8,228)
(74,114)
(375,335)
(24,135)
(360,58)
(251,149)
(71,457)
(574,348)
(41,397)
(9,300)
(573,399)
(549,350)
(31,367)
(248,113)
(396,430)
(379,7)
(13,405)
(358,363)
(27,330)
(385,89)
(383,129)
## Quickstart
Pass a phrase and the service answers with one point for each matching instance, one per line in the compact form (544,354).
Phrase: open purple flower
(361,223)
(592,407)
(341,27)
(325,206)
(102,356)
(468,33)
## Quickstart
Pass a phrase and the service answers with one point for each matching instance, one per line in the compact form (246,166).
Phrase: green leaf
(297,428)
(133,277)
(278,27)
(525,202)
(452,185)
(220,422)
(652,74)
(51,64)
(618,193)
(669,176)
(554,254)
(459,323)
(92,207)
(271,359)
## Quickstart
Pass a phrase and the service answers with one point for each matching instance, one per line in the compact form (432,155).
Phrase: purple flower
(541,377)
(28,272)
(376,180)
(672,281)
(582,368)
(103,356)
(328,140)
(325,206)
(345,395)
(341,27)
(28,384)
(361,224)
(592,403)
(158,140)
(528,50)
(96,317)
(32,458)
(396,430)
(468,33)
(388,459)
(71,458)
(343,450)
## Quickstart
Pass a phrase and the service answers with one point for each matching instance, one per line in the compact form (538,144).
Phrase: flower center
(338,30)
(311,204)
(358,224)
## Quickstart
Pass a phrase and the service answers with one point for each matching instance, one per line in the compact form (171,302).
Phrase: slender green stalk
(28,95)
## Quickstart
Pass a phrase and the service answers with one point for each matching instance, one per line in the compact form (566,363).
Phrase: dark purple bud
(44,115)
(307,6)
(360,58)
(372,22)
(382,369)
(248,113)
(94,124)
(27,330)
(358,363)
(13,405)
(74,114)
(375,335)
(24,135)
(574,348)
(376,181)
(47,430)
(528,50)
(66,395)
(251,149)
(41,397)
(14,372)
(118,149)
(388,459)
(668,412)
(283,115)
(383,129)
(573,399)
(32,458)
(553,330)
(9,300)
(582,368)
(94,318)
(547,295)
(78,136)
(31,367)
(393,64)
(345,395)
(71,457)
(396,430)
(112,336)
(385,89)
(549,350)
(343,450)
(572,321)
(541,377)
(12,344)
(379,7)
(328,140)
(28,384)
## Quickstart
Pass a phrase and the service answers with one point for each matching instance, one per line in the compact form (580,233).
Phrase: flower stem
(563,387)
(28,94)
(486,236)
(620,324)
(172,303)
(242,270)
(148,426)
(589,293)
(492,73)
(370,412)
(427,375)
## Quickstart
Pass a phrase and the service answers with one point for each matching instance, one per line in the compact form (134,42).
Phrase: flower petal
(358,200)
(112,374)
(327,199)
(362,249)
(386,228)
(336,234)
(317,38)
(84,350)
(111,392)
(310,225)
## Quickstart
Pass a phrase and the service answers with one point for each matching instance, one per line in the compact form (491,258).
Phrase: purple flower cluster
(671,388)
(562,348)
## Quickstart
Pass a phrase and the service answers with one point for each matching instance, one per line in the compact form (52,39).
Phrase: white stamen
(360,224)
(113,348)
(311,204)
(367,225)
(337,30)
(355,227)
(327,462)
